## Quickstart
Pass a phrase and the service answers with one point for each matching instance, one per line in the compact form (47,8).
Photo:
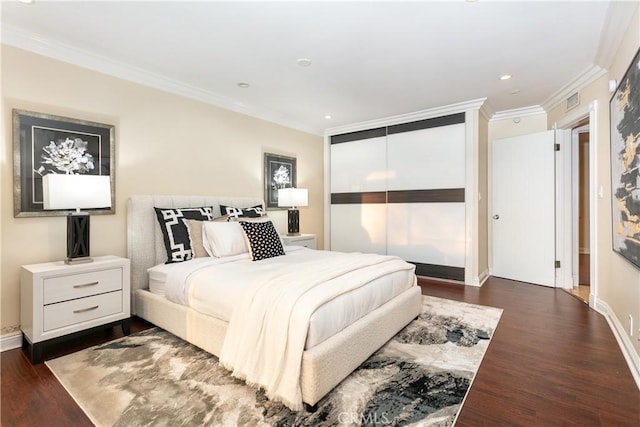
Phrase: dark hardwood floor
(30,395)
(552,361)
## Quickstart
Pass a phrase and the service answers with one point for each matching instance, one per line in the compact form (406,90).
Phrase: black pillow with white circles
(264,241)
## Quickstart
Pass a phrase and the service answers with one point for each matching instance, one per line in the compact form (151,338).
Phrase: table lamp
(61,191)
(293,198)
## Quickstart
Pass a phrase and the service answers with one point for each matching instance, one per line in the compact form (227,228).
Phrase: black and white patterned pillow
(176,233)
(235,213)
(263,240)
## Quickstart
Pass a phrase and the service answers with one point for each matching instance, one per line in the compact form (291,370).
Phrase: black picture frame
(45,143)
(624,110)
(279,172)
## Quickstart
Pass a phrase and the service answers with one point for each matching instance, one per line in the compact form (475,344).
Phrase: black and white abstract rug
(152,378)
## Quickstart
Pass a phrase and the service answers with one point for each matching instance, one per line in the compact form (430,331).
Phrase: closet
(401,189)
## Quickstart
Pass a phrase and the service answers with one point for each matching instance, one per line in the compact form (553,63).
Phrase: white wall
(507,128)
(165,144)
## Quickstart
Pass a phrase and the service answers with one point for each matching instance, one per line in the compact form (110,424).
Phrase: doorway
(582,120)
(567,244)
(581,215)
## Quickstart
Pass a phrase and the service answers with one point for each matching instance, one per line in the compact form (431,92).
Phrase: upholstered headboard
(145,245)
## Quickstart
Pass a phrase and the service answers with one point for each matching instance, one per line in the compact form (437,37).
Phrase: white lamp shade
(290,197)
(63,191)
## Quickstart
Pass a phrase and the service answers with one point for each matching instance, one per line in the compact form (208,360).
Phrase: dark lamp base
(293,222)
(77,238)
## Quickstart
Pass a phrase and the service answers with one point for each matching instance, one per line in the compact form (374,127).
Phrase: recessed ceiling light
(328,117)
(515,91)
(505,77)
(243,85)
(304,62)
(26,1)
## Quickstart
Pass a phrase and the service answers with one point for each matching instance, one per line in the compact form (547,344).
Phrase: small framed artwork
(44,144)
(624,109)
(279,172)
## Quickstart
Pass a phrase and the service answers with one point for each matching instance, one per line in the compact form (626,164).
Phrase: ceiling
(369,60)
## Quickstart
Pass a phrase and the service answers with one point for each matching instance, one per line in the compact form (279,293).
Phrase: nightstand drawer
(81,310)
(72,286)
(307,243)
(306,240)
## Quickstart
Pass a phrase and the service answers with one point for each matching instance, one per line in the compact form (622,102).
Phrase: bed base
(323,366)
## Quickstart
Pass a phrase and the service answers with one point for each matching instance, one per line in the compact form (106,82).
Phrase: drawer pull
(82,310)
(85,285)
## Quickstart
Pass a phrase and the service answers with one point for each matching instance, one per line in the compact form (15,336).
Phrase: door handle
(496,216)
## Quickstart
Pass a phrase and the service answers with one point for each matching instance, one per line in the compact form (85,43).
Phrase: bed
(324,362)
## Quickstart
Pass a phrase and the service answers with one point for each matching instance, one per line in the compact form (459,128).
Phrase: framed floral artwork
(279,172)
(44,144)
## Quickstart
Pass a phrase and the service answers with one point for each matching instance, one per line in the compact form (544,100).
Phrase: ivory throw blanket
(268,328)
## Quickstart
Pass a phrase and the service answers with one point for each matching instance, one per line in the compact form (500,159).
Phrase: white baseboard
(484,276)
(624,341)
(10,341)
(479,281)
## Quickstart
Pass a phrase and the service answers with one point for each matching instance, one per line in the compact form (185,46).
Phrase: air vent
(573,100)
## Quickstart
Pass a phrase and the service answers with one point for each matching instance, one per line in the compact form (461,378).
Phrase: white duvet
(274,301)
(205,286)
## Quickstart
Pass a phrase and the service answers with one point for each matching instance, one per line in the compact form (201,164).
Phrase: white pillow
(222,239)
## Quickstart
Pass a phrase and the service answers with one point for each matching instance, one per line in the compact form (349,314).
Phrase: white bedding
(212,285)
(265,340)
(322,366)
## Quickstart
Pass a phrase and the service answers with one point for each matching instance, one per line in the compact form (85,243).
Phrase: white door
(523,204)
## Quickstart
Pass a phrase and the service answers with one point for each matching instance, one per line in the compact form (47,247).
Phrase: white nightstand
(306,240)
(60,300)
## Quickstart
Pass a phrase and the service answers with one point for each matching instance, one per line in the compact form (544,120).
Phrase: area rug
(420,377)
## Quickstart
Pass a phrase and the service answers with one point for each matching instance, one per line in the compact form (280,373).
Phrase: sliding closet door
(358,192)
(400,190)
(425,184)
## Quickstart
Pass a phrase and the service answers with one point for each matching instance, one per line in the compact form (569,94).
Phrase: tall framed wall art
(624,109)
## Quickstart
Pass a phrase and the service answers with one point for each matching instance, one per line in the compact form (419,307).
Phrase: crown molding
(36,43)
(518,112)
(617,21)
(487,111)
(460,107)
(590,74)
